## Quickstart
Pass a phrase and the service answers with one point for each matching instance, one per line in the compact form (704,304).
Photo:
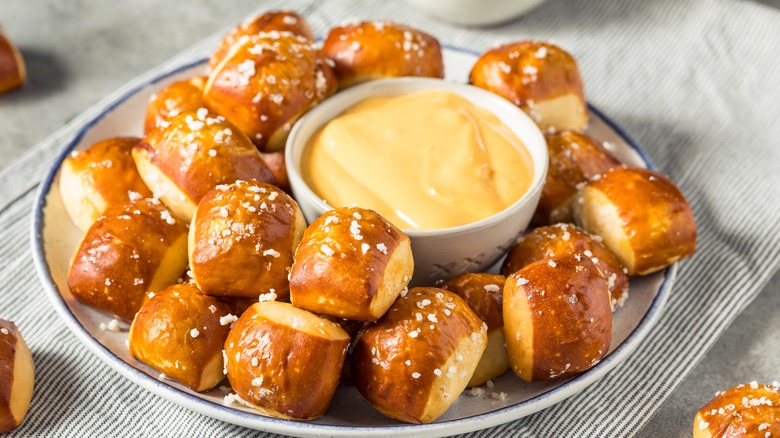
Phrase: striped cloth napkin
(694,82)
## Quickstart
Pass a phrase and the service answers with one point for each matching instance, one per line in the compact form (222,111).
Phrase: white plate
(54,240)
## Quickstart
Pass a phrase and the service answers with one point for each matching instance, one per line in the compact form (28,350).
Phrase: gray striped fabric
(671,73)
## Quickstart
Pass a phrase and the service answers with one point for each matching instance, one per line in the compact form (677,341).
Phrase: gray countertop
(79,51)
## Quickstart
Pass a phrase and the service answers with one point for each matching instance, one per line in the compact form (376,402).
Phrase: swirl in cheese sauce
(426,160)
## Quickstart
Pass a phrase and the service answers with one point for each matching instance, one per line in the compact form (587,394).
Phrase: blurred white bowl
(440,253)
(475,12)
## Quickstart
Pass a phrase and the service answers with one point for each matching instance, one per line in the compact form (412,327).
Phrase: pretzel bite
(266,82)
(539,77)
(415,361)
(180,333)
(372,50)
(749,410)
(557,318)
(17,373)
(553,240)
(278,166)
(195,153)
(642,216)
(353,329)
(133,248)
(574,159)
(177,98)
(351,263)
(94,178)
(483,293)
(284,361)
(242,240)
(12,70)
(267,22)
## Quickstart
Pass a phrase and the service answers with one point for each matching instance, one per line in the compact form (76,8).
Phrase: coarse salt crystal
(476,391)
(364,247)
(272,252)
(328,251)
(134,196)
(113,325)
(227,319)
(270,296)
(492,288)
(194,333)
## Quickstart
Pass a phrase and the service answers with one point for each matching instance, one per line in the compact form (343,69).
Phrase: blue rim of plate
(259,422)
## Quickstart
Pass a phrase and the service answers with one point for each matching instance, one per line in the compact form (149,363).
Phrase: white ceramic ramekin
(476,12)
(440,253)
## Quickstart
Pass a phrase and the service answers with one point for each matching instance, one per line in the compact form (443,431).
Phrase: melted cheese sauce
(426,160)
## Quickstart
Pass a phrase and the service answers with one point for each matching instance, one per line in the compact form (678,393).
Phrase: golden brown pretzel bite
(177,98)
(277,163)
(351,263)
(415,361)
(133,248)
(17,374)
(180,332)
(242,240)
(554,240)
(642,216)
(381,49)
(749,410)
(483,293)
(267,22)
(557,318)
(284,361)
(539,77)
(12,69)
(102,175)
(265,82)
(574,159)
(195,153)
